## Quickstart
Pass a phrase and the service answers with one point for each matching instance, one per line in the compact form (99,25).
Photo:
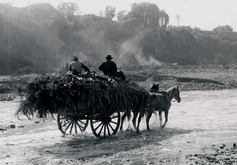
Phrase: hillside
(28,38)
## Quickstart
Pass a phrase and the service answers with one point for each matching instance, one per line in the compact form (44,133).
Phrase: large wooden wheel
(105,124)
(71,123)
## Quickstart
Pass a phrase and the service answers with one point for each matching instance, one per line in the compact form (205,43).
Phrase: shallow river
(210,115)
(201,120)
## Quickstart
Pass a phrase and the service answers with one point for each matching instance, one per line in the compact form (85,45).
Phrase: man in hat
(110,68)
(76,66)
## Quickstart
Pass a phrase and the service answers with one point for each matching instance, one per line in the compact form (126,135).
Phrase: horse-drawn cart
(80,101)
(76,118)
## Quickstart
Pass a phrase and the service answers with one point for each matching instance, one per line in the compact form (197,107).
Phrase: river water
(211,116)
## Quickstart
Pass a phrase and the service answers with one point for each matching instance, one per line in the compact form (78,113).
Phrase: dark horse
(138,106)
(137,109)
(161,101)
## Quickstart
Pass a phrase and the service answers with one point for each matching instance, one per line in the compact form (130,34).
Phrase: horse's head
(176,94)
(154,88)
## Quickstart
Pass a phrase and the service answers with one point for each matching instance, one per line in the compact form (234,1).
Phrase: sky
(204,14)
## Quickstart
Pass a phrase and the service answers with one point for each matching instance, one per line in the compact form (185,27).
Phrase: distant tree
(68,9)
(225,28)
(122,16)
(225,33)
(148,14)
(133,24)
(110,12)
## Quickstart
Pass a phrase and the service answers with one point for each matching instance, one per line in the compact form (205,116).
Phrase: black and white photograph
(118,82)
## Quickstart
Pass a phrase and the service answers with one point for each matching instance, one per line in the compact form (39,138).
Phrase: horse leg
(122,120)
(138,122)
(160,117)
(166,118)
(134,119)
(148,119)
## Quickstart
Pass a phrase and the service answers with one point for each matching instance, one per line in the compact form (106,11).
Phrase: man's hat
(108,57)
(75,57)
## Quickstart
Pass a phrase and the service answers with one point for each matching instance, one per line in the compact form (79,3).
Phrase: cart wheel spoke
(80,127)
(98,126)
(76,128)
(111,127)
(68,126)
(71,128)
(108,130)
(82,122)
(65,123)
(101,130)
(105,130)
(114,122)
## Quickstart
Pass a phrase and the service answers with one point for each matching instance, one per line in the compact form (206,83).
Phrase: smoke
(131,54)
(97,41)
(95,48)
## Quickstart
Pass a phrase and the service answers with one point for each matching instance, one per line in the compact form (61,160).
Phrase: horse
(138,107)
(161,101)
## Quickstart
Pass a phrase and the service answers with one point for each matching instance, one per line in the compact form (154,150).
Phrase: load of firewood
(49,94)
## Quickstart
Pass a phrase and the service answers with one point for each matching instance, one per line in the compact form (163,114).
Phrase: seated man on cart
(76,66)
(110,68)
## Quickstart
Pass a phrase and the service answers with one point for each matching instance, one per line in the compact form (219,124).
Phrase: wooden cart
(76,118)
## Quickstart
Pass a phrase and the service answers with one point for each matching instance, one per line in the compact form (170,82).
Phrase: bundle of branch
(41,96)
(49,94)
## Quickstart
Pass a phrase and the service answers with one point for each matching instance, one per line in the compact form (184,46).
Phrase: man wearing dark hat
(110,68)
(76,66)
